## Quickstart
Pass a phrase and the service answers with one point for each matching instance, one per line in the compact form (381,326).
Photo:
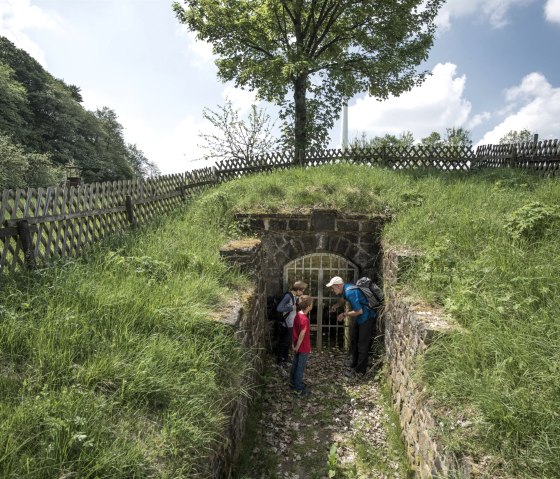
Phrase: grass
(112,367)
(489,257)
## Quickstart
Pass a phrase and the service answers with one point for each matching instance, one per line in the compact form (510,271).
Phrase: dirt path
(343,429)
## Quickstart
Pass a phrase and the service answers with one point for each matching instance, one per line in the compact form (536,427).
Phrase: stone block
(346,225)
(323,220)
(298,225)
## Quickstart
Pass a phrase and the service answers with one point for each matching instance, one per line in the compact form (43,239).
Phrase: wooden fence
(46,223)
(541,156)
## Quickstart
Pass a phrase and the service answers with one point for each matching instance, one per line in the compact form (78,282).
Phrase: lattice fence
(40,224)
(542,156)
(47,223)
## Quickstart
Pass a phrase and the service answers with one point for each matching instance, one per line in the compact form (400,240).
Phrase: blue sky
(494,67)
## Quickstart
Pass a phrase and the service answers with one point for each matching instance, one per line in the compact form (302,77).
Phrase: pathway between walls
(342,430)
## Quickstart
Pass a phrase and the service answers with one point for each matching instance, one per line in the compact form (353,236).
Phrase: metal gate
(316,269)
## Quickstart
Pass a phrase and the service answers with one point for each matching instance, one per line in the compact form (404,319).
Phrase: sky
(494,68)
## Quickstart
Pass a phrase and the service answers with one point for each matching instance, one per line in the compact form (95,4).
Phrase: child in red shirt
(301,345)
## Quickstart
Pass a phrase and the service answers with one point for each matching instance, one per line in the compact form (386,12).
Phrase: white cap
(335,280)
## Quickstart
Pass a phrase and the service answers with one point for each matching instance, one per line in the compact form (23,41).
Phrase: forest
(45,131)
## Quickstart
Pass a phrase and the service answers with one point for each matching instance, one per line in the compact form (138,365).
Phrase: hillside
(44,126)
(117,353)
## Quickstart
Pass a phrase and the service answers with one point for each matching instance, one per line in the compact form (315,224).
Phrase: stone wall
(409,329)
(286,237)
(247,318)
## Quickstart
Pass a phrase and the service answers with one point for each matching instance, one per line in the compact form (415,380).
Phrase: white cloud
(173,151)
(493,11)
(533,104)
(199,53)
(240,99)
(17,16)
(433,106)
(552,11)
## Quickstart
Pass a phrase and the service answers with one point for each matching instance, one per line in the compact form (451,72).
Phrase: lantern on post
(73,176)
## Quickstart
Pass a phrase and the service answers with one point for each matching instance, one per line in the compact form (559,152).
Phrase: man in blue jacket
(363,324)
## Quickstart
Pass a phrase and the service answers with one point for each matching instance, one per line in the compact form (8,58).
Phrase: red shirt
(301,322)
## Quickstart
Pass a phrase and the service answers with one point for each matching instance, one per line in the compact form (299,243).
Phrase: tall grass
(491,258)
(111,366)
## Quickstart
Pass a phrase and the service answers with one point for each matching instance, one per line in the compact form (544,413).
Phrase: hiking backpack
(371,291)
(277,315)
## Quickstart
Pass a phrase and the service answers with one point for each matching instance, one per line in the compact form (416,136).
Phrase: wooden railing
(541,156)
(46,223)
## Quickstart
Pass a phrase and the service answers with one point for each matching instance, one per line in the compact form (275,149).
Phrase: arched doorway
(316,269)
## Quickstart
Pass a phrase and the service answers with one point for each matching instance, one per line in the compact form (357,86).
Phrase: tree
(19,169)
(433,139)
(457,136)
(141,166)
(233,137)
(323,52)
(404,140)
(514,136)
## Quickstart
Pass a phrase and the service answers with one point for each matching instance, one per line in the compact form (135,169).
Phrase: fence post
(183,191)
(215,174)
(24,234)
(130,212)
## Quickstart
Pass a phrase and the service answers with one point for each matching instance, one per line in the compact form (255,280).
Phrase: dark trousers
(360,341)
(298,368)
(284,343)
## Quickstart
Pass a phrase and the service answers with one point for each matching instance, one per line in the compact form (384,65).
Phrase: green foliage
(42,116)
(404,140)
(513,136)
(311,57)
(532,220)
(457,136)
(19,169)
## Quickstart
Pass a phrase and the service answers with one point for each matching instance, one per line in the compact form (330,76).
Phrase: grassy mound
(112,367)
(490,257)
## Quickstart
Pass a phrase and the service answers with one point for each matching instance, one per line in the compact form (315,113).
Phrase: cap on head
(335,280)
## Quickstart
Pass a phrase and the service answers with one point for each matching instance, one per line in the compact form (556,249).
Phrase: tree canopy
(513,136)
(311,56)
(44,126)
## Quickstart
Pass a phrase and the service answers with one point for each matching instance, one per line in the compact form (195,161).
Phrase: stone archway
(316,269)
(286,238)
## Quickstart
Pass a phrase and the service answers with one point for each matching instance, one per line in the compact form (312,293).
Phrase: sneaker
(302,392)
(293,386)
(350,373)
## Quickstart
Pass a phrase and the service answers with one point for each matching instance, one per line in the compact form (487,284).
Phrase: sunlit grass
(111,366)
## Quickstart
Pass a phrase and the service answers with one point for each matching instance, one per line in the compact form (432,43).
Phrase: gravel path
(341,430)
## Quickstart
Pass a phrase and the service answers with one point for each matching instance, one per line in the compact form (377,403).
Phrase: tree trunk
(300,118)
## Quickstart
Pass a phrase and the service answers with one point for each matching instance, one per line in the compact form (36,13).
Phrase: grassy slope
(491,258)
(111,368)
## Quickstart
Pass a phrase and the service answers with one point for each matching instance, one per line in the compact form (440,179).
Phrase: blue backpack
(373,294)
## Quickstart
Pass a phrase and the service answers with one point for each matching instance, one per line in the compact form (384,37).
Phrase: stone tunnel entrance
(314,247)
(316,269)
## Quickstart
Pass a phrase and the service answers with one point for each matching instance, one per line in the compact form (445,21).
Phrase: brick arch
(286,237)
